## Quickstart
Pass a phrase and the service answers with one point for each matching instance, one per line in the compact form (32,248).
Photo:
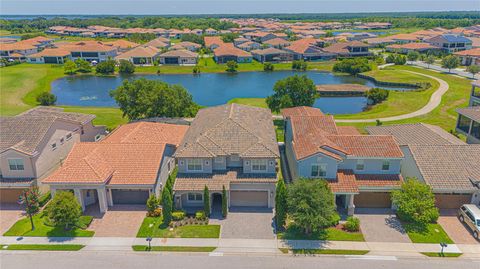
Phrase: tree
(83,66)
(292,91)
(280,204)
(415,202)
(46,99)
(329,34)
(206,201)
(106,67)
(299,65)
(390,59)
(232,66)
(196,69)
(193,38)
(229,37)
(430,60)
(69,67)
(224,202)
(64,209)
(31,199)
(167,204)
(377,95)
(311,204)
(352,66)
(144,98)
(400,60)
(152,203)
(126,67)
(413,55)
(473,69)
(268,67)
(450,62)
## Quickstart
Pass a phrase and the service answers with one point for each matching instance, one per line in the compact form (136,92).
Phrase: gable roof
(268,51)
(140,51)
(230,129)
(449,39)
(342,47)
(147,133)
(157,43)
(227,49)
(179,53)
(416,134)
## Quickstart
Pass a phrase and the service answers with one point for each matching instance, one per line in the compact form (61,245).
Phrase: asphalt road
(120,260)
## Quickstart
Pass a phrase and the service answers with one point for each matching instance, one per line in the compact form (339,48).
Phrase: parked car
(470,215)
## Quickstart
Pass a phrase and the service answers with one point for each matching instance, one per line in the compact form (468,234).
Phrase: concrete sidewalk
(248,245)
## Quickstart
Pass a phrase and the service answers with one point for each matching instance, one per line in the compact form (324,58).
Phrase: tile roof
(52,52)
(147,133)
(216,180)
(344,183)
(230,129)
(227,49)
(314,132)
(413,46)
(471,52)
(342,47)
(140,51)
(347,130)
(448,167)
(277,41)
(349,182)
(213,40)
(470,112)
(122,44)
(157,43)
(87,46)
(268,51)
(180,53)
(58,112)
(416,134)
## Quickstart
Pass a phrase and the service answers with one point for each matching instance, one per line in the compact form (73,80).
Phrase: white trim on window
(318,170)
(16,164)
(259,165)
(194,165)
(194,197)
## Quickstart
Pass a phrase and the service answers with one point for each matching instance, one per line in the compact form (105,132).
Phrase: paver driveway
(119,221)
(9,214)
(247,223)
(381,225)
(459,233)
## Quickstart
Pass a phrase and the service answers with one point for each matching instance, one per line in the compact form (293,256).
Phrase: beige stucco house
(232,146)
(35,142)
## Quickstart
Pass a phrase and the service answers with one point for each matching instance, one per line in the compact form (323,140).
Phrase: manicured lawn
(258,102)
(154,227)
(444,255)
(55,247)
(23,228)
(330,251)
(432,233)
(174,248)
(294,233)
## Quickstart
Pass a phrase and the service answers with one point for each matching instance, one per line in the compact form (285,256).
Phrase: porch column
(53,190)
(78,194)
(351,206)
(109,197)
(102,199)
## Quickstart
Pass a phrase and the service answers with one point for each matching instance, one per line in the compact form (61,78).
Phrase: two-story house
(450,43)
(35,142)
(361,170)
(233,147)
(468,122)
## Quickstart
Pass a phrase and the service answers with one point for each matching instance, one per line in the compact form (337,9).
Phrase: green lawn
(432,233)
(174,248)
(330,251)
(258,102)
(154,227)
(23,228)
(49,247)
(444,255)
(332,234)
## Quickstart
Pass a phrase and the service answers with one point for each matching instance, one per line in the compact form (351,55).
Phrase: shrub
(400,60)
(126,67)
(413,55)
(280,204)
(376,95)
(69,67)
(64,210)
(46,99)
(352,224)
(335,219)
(390,59)
(206,201)
(196,69)
(299,65)
(232,66)
(106,67)
(268,67)
(155,213)
(83,66)
(178,215)
(224,202)
(152,203)
(200,215)
(450,62)
(352,66)
(44,199)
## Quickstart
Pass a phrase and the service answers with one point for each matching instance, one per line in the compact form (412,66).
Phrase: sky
(162,7)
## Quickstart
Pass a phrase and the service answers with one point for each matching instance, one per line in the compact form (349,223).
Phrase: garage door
(129,196)
(249,198)
(447,201)
(10,196)
(372,199)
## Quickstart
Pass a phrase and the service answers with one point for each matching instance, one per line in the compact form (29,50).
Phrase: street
(119,260)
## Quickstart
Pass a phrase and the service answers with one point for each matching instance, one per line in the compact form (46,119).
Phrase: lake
(209,89)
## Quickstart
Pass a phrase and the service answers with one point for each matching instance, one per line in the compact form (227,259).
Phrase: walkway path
(434,102)
(441,69)
(248,245)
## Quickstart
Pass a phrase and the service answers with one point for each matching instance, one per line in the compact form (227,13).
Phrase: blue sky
(9,7)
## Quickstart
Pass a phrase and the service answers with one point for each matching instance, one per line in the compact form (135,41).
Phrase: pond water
(209,89)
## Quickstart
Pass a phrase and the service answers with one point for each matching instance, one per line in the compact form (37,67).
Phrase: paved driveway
(459,233)
(119,221)
(381,225)
(9,214)
(247,223)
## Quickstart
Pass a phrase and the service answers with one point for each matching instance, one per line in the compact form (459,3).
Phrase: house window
(54,146)
(194,164)
(195,197)
(386,165)
(234,158)
(259,165)
(218,160)
(319,170)
(97,137)
(16,164)
(69,136)
(360,165)
(62,140)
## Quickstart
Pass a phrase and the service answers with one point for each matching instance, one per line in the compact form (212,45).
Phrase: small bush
(106,67)
(352,66)
(178,215)
(268,67)
(352,224)
(200,215)
(44,199)
(157,212)
(376,95)
(46,99)
(196,69)
(299,65)
(126,67)
(335,219)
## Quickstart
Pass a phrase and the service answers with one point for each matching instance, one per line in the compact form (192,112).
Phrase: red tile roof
(228,49)
(349,182)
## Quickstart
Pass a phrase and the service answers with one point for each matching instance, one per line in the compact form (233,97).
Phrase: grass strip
(442,255)
(173,248)
(330,251)
(49,247)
